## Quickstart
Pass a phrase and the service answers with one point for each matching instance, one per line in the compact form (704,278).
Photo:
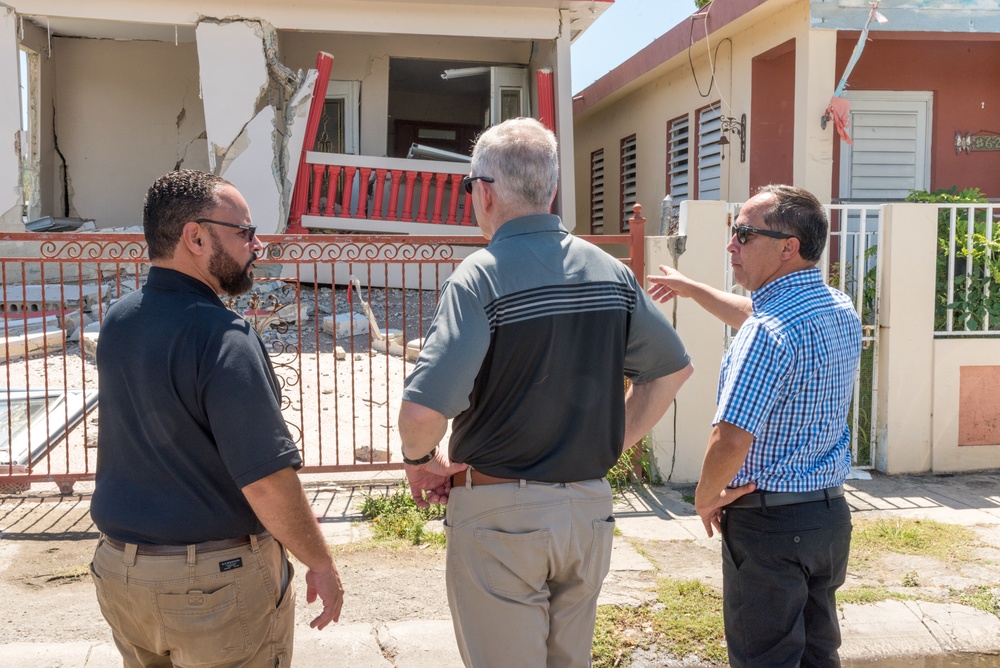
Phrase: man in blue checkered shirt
(779,450)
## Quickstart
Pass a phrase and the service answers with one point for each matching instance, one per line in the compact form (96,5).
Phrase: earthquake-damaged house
(115,93)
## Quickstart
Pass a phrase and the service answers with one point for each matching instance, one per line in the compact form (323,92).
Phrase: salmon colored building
(737,96)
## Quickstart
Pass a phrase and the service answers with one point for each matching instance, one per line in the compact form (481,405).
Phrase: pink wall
(963,71)
(772,117)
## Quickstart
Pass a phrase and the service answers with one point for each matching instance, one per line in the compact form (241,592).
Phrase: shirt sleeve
(453,352)
(752,378)
(654,349)
(241,399)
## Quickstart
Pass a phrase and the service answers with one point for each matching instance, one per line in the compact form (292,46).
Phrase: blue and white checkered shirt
(788,379)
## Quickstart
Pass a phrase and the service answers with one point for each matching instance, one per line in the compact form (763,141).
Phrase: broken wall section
(255,112)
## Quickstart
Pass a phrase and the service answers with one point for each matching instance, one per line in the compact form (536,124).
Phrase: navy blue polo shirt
(189,415)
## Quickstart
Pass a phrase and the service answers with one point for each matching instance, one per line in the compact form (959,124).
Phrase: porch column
(815,81)
(10,125)
(679,450)
(906,339)
(245,146)
(565,204)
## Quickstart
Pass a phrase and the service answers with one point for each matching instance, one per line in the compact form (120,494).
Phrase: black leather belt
(764,499)
(199,548)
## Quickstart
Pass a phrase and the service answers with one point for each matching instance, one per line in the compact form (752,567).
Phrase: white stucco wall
(679,451)
(126,113)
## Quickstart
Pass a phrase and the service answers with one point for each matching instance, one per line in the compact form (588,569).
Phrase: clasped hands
(430,483)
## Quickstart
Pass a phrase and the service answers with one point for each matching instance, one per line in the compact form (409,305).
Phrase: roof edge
(673,42)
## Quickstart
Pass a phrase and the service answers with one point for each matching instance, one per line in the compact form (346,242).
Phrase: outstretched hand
(431,482)
(669,285)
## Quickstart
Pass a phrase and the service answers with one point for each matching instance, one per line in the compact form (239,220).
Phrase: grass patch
(633,467)
(947,542)
(686,620)
(982,597)
(395,517)
(865,594)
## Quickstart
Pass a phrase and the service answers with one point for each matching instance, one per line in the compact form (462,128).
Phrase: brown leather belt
(166,550)
(478,478)
(763,499)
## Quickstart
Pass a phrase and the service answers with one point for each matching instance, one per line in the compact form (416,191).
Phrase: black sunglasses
(467,181)
(743,233)
(252,229)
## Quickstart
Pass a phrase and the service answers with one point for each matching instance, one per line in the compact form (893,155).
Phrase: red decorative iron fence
(339,351)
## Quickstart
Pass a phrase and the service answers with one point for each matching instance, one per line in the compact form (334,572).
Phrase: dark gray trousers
(781,568)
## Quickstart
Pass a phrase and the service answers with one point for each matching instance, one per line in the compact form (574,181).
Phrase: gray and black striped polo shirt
(528,351)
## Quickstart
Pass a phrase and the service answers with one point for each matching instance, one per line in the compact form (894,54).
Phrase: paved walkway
(890,628)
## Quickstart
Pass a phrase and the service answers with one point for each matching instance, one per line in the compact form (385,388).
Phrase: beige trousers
(220,608)
(525,566)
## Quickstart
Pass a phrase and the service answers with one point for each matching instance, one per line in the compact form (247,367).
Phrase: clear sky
(621,31)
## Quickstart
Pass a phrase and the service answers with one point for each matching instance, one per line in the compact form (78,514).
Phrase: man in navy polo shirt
(779,450)
(196,492)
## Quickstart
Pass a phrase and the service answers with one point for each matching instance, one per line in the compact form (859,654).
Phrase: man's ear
(790,249)
(194,238)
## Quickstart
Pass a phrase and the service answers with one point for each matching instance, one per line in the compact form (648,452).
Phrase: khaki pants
(217,608)
(526,562)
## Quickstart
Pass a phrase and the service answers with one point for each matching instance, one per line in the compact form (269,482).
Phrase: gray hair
(522,156)
(797,212)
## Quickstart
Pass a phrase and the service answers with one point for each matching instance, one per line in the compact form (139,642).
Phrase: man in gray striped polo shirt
(527,352)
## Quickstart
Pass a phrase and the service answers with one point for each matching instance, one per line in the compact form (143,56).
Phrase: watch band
(423,460)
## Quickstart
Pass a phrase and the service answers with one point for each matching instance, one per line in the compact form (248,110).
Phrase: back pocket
(204,627)
(516,564)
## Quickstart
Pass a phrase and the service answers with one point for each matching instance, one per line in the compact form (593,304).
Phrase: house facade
(115,93)
(739,95)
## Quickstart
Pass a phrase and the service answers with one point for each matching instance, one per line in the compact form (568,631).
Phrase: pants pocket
(204,627)
(515,564)
(599,559)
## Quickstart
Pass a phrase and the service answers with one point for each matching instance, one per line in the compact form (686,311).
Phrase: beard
(233,279)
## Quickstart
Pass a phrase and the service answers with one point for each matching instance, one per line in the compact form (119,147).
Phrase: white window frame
(350,93)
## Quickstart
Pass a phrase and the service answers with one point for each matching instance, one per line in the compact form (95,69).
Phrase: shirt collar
(542,222)
(163,278)
(800,278)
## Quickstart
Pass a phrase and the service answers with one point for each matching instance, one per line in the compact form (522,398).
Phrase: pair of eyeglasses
(467,181)
(251,230)
(743,233)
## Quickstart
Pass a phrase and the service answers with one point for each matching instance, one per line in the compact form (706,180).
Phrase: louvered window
(709,153)
(597,192)
(677,159)
(628,189)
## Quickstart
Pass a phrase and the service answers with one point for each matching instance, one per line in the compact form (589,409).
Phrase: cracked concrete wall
(252,103)
(126,112)
(10,126)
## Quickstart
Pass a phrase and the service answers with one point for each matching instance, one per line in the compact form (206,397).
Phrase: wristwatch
(423,460)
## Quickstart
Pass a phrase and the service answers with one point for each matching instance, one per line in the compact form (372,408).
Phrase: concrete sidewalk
(654,519)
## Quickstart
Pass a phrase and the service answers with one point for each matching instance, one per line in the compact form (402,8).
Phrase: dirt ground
(46,543)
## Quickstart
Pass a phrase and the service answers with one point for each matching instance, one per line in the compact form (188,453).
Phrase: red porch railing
(363,193)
